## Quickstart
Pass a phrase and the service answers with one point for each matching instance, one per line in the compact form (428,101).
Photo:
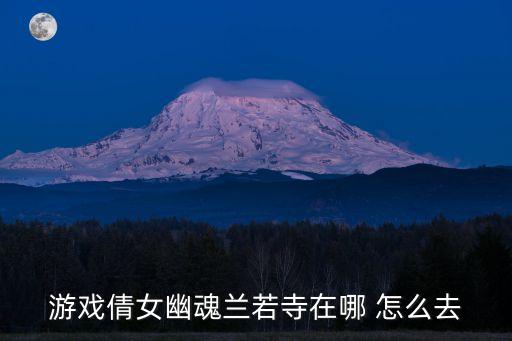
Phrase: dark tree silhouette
(470,260)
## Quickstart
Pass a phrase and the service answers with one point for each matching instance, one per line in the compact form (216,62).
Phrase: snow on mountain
(216,126)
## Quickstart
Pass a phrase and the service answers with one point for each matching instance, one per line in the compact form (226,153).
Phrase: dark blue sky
(433,75)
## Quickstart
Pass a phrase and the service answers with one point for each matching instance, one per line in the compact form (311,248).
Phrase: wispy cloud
(261,88)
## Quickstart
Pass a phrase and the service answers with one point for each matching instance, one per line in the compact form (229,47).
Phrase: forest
(471,260)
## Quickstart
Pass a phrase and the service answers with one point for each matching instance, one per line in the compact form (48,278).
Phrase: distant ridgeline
(396,195)
(469,260)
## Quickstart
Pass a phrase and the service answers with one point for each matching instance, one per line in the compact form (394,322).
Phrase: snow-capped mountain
(214,127)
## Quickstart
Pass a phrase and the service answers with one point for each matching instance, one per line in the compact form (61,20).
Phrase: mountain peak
(218,126)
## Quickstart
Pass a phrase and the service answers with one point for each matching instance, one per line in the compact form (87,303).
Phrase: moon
(43,26)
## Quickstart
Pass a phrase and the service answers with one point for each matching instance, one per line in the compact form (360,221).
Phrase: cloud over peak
(260,88)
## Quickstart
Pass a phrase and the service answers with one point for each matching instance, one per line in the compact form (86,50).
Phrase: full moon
(43,26)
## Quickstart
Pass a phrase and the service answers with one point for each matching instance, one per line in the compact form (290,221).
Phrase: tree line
(470,260)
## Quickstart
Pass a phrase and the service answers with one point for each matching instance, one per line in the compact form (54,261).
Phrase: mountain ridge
(397,195)
(210,129)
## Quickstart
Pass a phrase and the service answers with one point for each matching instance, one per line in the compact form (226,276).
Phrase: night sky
(433,76)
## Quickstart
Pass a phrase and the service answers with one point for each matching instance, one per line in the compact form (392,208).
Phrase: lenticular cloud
(260,88)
